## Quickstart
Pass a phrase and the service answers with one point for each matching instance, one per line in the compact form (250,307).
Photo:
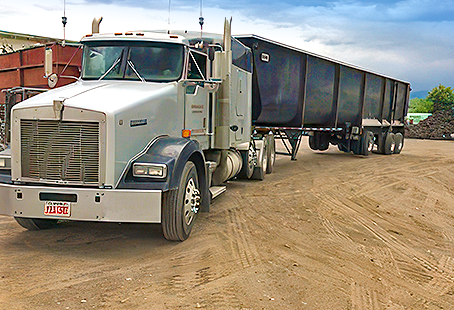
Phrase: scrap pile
(438,126)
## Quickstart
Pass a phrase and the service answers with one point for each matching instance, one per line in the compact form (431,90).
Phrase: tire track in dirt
(363,298)
(410,262)
(243,250)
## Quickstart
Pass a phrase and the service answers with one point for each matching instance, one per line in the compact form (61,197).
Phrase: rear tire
(248,163)
(319,141)
(399,140)
(260,172)
(271,153)
(35,224)
(390,144)
(367,143)
(180,206)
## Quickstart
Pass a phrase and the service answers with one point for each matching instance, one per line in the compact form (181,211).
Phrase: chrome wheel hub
(191,201)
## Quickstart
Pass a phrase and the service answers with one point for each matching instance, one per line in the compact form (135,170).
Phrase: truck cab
(154,121)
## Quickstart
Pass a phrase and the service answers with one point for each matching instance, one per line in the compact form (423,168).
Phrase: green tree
(418,105)
(442,97)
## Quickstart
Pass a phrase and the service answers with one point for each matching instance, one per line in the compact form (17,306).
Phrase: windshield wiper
(111,67)
(131,64)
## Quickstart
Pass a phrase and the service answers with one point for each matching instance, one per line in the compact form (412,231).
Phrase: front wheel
(35,224)
(180,206)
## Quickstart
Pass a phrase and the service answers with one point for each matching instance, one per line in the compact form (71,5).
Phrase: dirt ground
(329,231)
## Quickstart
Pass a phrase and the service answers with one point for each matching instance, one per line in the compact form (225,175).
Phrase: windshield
(142,61)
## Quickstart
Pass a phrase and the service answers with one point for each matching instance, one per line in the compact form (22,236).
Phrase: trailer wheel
(381,143)
(180,207)
(313,143)
(367,142)
(318,142)
(390,144)
(35,224)
(248,157)
(342,148)
(271,153)
(399,141)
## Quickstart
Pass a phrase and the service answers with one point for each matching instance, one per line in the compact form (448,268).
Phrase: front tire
(35,224)
(180,206)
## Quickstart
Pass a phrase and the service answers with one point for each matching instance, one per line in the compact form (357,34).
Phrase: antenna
(64,21)
(201,19)
(169,16)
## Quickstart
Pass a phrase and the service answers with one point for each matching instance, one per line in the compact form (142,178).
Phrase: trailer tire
(271,153)
(180,206)
(342,148)
(367,143)
(389,144)
(313,143)
(248,163)
(318,142)
(381,137)
(399,141)
(35,224)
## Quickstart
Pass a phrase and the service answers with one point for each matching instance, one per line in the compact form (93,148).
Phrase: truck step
(217,190)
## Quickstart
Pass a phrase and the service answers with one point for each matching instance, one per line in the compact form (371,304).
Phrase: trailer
(298,93)
(159,122)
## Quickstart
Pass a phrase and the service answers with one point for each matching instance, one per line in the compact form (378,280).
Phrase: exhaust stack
(95,25)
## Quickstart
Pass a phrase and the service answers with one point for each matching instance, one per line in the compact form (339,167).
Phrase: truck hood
(109,97)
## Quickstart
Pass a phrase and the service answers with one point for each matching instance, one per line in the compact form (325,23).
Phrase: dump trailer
(297,93)
(159,122)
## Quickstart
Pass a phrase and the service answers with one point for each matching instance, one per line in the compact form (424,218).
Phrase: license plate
(57,208)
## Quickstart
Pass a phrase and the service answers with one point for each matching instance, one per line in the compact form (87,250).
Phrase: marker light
(186,133)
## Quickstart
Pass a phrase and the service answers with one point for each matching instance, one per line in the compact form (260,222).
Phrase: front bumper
(104,205)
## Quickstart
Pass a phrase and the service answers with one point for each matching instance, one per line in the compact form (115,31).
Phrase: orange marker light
(186,133)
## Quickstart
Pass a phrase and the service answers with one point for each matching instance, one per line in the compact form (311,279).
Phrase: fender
(174,153)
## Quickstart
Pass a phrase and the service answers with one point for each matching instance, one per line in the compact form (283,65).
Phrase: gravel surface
(329,231)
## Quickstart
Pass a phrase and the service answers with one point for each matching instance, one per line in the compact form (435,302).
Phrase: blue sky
(412,40)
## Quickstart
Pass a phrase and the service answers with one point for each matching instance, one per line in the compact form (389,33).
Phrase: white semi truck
(159,121)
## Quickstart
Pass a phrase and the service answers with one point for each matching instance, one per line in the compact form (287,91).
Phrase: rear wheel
(319,141)
(390,144)
(35,224)
(271,153)
(367,143)
(260,170)
(399,141)
(180,206)
(248,158)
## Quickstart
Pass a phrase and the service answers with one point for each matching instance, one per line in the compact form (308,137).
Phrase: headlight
(149,170)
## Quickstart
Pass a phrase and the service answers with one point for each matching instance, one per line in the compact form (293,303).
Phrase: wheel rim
(370,145)
(191,201)
(392,147)
(264,159)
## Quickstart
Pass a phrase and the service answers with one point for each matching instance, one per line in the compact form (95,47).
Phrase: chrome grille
(60,151)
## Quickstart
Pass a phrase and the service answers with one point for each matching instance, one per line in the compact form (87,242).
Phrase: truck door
(196,99)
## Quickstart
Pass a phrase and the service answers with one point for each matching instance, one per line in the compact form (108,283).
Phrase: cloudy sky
(412,40)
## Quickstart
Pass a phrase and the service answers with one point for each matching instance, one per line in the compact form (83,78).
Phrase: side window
(197,66)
